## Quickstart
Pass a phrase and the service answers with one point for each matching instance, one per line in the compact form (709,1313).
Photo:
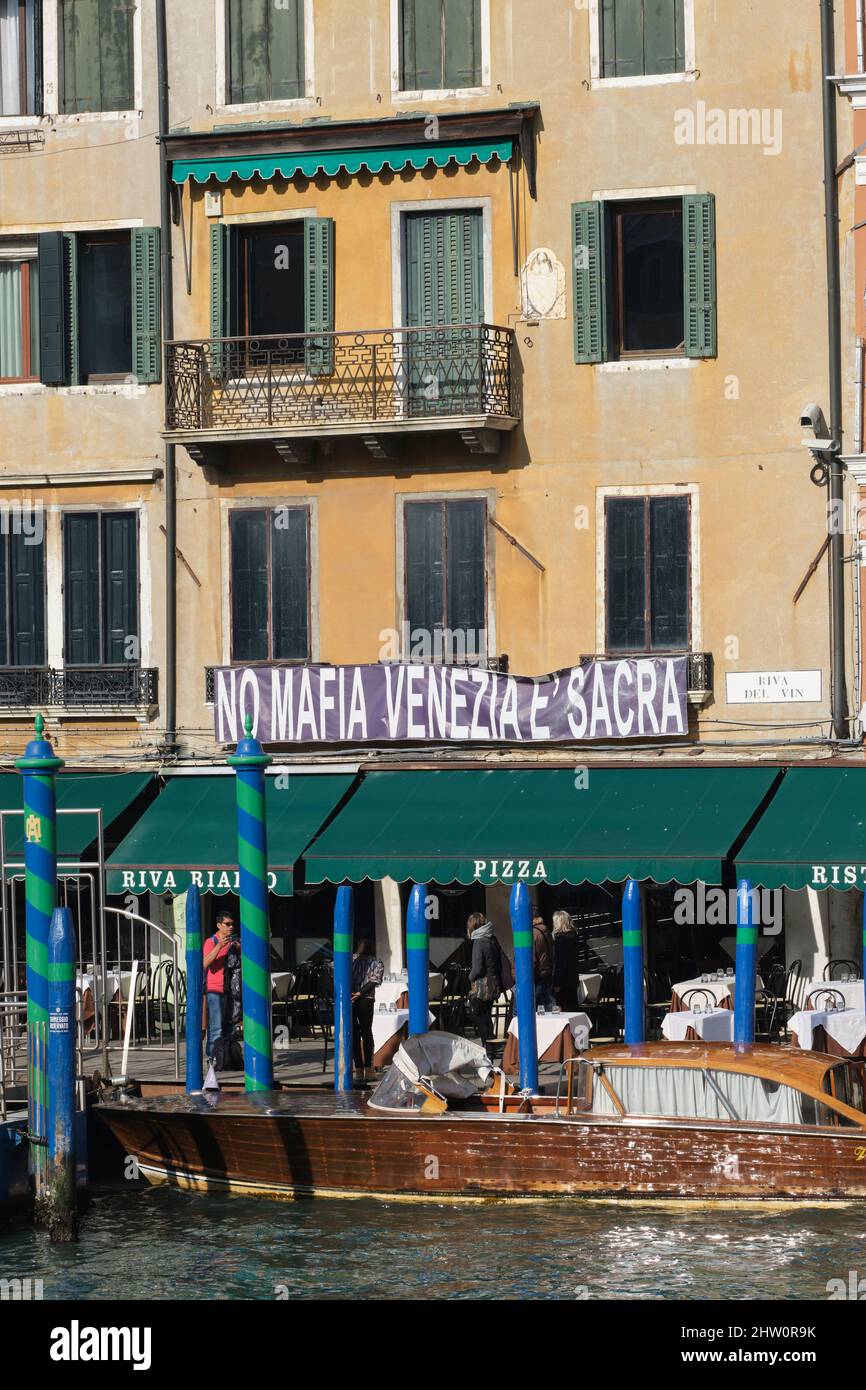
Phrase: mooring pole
(524,987)
(418,958)
(746,966)
(194,988)
(62,1204)
(343,1074)
(249,762)
(632,962)
(39,766)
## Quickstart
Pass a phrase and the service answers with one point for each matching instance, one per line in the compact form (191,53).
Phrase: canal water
(156,1243)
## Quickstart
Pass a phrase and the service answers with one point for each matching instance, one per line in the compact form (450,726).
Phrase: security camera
(812,418)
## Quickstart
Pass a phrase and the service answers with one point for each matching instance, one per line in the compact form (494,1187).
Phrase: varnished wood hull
(310,1144)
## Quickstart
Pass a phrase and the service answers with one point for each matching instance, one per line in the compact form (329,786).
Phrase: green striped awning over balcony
(438,153)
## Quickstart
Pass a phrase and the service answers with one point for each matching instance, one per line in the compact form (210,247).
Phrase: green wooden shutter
(424,530)
(224,290)
(462,67)
(622,38)
(625,588)
(81,549)
(467,524)
(53,309)
(4,593)
(669,572)
(319,293)
(120,587)
(27,601)
(70,246)
(286,51)
(289,584)
(248,50)
(422,66)
(248,535)
(117,88)
(699,270)
(664,36)
(146,352)
(590,288)
(97,63)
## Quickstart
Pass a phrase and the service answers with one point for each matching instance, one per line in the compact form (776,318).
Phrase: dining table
(558,1036)
(838,1032)
(850,990)
(397,991)
(721,990)
(88,986)
(390,1028)
(684,1025)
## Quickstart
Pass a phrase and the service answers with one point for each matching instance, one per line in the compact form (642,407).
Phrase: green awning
(439,153)
(813,835)
(113,793)
(676,824)
(189,834)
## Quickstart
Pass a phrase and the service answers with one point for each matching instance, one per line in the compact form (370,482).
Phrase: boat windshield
(847,1084)
(694,1093)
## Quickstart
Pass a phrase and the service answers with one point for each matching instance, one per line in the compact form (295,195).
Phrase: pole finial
(39,725)
(248,725)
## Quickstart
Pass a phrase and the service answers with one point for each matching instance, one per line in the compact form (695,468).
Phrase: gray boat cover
(451,1066)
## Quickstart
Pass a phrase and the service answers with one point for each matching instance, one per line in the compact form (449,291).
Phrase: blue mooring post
(632,963)
(62,1208)
(524,987)
(194,989)
(418,958)
(249,761)
(343,912)
(746,966)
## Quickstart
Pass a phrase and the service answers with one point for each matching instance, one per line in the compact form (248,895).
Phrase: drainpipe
(170,695)
(861,33)
(835,488)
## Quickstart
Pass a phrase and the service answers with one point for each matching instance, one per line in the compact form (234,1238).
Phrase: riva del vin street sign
(633,698)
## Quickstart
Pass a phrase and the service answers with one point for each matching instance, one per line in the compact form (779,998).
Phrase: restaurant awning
(342,161)
(189,834)
(82,793)
(813,835)
(676,824)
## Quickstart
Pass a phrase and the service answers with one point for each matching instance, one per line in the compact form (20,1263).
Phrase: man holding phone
(216,950)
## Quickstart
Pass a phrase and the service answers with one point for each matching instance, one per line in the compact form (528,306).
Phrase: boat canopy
(698,1093)
(443,1064)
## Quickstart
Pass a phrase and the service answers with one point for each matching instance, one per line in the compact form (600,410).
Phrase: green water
(162,1244)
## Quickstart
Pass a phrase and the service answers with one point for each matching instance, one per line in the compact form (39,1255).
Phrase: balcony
(115,690)
(379,387)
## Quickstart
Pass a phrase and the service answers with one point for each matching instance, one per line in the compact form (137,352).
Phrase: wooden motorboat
(698,1121)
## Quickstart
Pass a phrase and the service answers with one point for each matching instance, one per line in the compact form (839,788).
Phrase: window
(99,306)
(20,78)
(270,586)
(265,50)
(96,70)
(275,280)
(648,573)
(440,44)
(645,278)
(642,37)
(445,565)
(100,588)
(19,317)
(22,599)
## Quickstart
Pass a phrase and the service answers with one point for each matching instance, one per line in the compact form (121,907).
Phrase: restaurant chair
(607,1014)
(658,995)
(821,999)
(783,985)
(704,997)
(844,967)
(766,1011)
(300,1001)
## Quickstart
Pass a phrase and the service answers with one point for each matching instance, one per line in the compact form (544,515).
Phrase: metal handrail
(340,333)
(172,939)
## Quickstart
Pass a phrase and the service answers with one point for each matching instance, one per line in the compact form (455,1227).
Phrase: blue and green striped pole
(418,959)
(62,1208)
(632,963)
(343,1075)
(746,966)
(39,766)
(524,987)
(249,762)
(194,988)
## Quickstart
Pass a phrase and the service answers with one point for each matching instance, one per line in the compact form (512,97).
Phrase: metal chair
(706,999)
(607,1013)
(658,995)
(845,967)
(782,984)
(819,999)
(766,1010)
(300,1000)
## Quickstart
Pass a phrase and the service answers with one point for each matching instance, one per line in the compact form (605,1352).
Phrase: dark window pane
(466,577)
(27,600)
(81,547)
(651,286)
(249,585)
(626,574)
(120,587)
(104,307)
(275,280)
(289,583)
(425,569)
(669,571)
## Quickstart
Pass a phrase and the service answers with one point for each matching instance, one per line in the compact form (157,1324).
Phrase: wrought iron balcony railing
(382,377)
(93,686)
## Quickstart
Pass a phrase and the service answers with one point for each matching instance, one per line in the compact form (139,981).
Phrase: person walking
(542,963)
(485,975)
(566,962)
(367,972)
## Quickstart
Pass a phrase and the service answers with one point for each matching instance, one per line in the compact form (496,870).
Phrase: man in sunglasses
(216,951)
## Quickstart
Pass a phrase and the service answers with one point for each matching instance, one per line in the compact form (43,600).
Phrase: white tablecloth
(386,1024)
(589,988)
(389,991)
(718,989)
(851,993)
(549,1026)
(846,1026)
(115,980)
(715,1027)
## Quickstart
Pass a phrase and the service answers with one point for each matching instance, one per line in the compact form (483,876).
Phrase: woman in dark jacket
(485,976)
(566,963)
